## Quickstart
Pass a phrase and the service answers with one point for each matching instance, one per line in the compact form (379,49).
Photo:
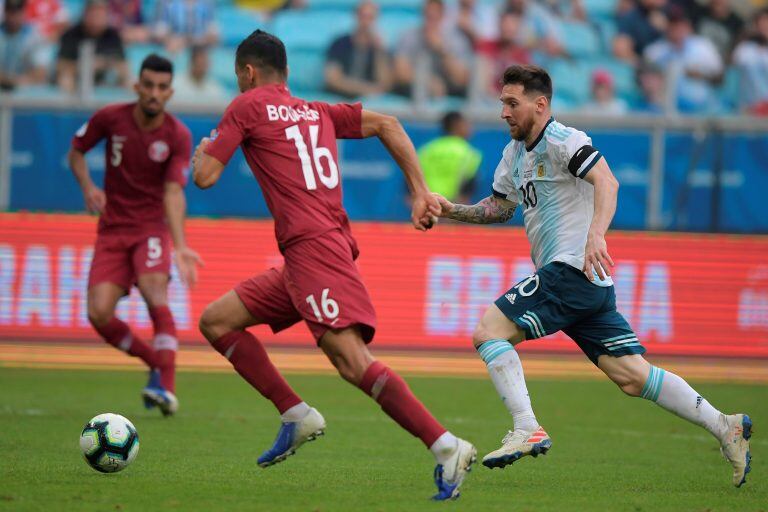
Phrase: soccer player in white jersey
(568,195)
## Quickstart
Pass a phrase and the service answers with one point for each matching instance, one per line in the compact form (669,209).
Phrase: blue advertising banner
(375,190)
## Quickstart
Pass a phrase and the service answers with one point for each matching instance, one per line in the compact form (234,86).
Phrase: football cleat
(517,444)
(735,446)
(449,476)
(155,395)
(292,435)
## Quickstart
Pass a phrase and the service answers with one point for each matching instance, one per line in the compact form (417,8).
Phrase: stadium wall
(683,293)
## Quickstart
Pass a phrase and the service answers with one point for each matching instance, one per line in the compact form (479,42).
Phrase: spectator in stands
(651,82)
(109,64)
(604,100)
(357,64)
(691,62)
(182,23)
(127,18)
(510,48)
(539,25)
(638,28)
(476,20)
(49,16)
(450,163)
(196,84)
(441,49)
(751,61)
(721,25)
(23,58)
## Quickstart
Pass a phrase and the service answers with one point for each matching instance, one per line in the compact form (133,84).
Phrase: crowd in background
(680,51)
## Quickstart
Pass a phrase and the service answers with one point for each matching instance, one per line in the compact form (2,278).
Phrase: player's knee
(99,314)
(480,335)
(211,324)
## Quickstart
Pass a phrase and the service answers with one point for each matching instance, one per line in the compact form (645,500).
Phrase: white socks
(295,413)
(675,395)
(507,375)
(444,447)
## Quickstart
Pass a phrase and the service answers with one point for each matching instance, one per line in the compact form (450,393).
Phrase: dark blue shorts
(560,298)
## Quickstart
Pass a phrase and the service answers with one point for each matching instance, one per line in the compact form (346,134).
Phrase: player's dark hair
(533,79)
(450,120)
(263,50)
(158,63)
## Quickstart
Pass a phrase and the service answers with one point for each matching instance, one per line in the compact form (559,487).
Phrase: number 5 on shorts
(330,306)
(154,248)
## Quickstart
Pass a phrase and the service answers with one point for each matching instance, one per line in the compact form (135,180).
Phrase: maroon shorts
(121,256)
(319,284)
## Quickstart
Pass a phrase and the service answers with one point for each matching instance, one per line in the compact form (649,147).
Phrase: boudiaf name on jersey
(288,113)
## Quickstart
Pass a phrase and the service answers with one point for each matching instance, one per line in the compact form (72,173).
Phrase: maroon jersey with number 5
(138,164)
(290,146)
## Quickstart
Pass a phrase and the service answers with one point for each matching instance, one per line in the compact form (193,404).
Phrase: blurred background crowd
(606,57)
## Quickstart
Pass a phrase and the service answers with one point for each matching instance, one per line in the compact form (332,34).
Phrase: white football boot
(735,446)
(517,444)
(291,435)
(449,476)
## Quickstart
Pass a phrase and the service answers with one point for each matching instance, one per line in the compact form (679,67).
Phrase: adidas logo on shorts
(511,297)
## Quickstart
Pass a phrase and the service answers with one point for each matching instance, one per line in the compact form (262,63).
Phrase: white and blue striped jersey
(546,178)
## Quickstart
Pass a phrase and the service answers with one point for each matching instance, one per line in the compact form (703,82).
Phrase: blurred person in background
(604,100)
(476,20)
(109,65)
(720,24)
(23,59)
(510,48)
(196,84)
(539,25)
(445,48)
(449,162)
(638,28)
(651,82)
(49,16)
(182,23)
(357,64)
(127,18)
(751,60)
(692,60)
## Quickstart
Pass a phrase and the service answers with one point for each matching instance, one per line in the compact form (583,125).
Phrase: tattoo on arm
(488,211)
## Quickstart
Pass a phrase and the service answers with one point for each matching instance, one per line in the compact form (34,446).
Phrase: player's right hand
(445,205)
(95,199)
(425,209)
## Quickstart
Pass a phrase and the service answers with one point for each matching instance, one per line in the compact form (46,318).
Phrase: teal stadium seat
(236,24)
(623,74)
(392,24)
(579,39)
(729,89)
(222,60)
(601,8)
(309,29)
(305,70)
(570,80)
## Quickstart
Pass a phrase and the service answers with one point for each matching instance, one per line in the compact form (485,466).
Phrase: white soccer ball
(109,442)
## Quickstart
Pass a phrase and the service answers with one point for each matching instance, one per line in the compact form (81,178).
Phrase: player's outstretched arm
(175,204)
(94,197)
(491,210)
(206,170)
(596,257)
(392,134)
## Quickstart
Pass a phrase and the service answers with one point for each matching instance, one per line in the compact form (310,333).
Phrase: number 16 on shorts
(328,310)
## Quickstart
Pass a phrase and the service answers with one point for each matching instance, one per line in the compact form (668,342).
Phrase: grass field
(609,453)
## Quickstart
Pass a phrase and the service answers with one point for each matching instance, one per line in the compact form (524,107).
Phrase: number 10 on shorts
(330,308)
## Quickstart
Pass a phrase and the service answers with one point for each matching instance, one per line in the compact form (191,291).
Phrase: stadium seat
(571,81)
(236,24)
(730,88)
(386,101)
(223,66)
(580,40)
(623,74)
(311,29)
(392,24)
(305,70)
(601,8)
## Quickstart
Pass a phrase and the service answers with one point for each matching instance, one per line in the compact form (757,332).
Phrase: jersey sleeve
(91,132)
(347,119)
(229,134)
(503,184)
(178,166)
(579,156)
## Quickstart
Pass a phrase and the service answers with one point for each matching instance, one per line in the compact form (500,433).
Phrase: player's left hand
(425,211)
(187,261)
(200,149)
(596,257)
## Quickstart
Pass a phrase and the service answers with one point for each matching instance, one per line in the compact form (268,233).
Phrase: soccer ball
(109,442)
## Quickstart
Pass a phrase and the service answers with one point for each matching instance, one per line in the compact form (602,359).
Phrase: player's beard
(523,130)
(151,114)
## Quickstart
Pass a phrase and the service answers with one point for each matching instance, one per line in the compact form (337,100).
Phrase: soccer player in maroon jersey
(141,208)
(290,145)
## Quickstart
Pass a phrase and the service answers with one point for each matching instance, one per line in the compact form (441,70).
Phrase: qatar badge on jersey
(159,151)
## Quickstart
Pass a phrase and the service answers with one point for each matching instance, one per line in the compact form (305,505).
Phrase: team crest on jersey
(540,171)
(159,151)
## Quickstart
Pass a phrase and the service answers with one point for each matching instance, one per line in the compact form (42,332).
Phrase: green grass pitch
(609,453)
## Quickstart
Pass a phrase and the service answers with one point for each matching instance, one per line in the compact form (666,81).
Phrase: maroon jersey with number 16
(290,145)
